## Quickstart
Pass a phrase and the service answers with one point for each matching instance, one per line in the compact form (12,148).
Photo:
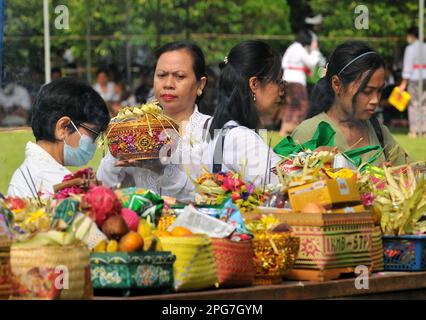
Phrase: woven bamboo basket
(139,136)
(5,280)
(234,262)
(195,267)
(37,272)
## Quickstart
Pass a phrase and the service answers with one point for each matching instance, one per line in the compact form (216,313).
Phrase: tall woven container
(5,280)
(234,262)
(377,250)
(195,267)
(35,272)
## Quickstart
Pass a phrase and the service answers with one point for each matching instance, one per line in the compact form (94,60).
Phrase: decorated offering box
(325,192)
(404,253)
(139,133)
(329,241)
(51,272)
(234,262)
(136,270)
(195,267)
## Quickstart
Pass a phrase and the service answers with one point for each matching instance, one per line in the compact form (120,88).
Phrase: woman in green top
(346,98)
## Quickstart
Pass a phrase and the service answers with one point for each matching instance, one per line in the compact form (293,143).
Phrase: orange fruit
(181,232)
(162,233)
(131,242)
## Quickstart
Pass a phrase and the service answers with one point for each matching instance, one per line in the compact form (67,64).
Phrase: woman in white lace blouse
(179,80)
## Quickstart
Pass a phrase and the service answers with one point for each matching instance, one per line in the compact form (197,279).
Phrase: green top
(306,130)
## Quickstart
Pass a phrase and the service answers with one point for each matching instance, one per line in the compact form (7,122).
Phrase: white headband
(355,59)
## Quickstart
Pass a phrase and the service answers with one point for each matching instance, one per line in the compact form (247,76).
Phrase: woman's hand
(154,165)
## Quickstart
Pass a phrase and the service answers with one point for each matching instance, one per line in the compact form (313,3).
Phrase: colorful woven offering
(139,132)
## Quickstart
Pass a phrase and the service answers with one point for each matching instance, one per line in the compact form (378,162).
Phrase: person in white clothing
(410,75)
(250,84)
(179,80)
(68,116)
(15,105)
(299,60)
(104,87)
(314,26)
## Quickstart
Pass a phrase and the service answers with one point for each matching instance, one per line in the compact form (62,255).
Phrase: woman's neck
(338,116)
(183,116)
(55,149)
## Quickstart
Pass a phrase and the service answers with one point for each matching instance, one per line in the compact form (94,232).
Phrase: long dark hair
(235,102)
(323,96)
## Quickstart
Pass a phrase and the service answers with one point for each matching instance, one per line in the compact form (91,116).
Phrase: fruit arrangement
(213,189)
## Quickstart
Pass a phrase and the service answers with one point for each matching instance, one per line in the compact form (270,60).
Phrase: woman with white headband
(346,98)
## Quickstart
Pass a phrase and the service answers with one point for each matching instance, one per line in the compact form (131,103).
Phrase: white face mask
(81,155)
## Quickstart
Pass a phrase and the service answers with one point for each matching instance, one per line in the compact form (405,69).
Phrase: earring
(199,92)
(254,96)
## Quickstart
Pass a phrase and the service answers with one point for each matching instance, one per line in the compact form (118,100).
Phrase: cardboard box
(349,209)
(325,192)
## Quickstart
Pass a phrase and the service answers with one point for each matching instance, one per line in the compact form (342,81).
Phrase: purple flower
(250,188)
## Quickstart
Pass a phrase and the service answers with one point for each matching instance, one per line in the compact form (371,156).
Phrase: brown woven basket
(139,139)
(5,280)
(234,262)
(34,275)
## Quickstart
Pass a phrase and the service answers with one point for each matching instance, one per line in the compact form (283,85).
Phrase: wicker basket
(274,255)
(377,250)
(37,272)
(234,262)
(139,137)
(195,267)
(5,280)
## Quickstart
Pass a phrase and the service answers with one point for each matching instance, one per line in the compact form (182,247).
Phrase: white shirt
(411,58)
(43,168)
(174,182)
(19,97)
(109,95)
(295,59)
(243,148)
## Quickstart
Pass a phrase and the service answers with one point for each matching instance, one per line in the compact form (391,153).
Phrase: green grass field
(12,151)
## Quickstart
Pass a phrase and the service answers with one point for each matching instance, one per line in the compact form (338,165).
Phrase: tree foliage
(142,25)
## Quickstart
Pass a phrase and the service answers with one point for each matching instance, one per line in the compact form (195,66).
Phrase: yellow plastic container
(399,99)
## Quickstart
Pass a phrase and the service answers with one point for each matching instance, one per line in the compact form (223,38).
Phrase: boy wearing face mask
(68,116)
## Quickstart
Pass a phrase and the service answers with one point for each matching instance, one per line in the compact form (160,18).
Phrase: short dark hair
(67,97)
(199,62)
(340,64)
(414,31)
(247,59)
